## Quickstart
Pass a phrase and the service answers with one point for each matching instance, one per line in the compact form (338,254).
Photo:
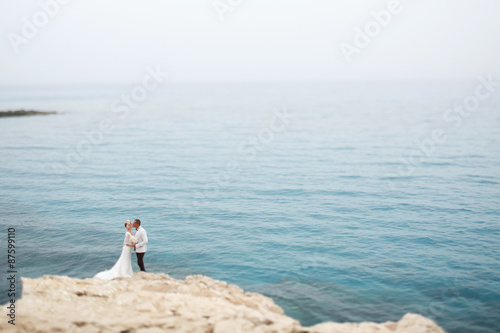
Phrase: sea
(342,201)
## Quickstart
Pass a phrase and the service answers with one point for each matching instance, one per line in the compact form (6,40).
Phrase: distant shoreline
(20,113)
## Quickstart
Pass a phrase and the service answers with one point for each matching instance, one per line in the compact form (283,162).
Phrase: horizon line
(310,81)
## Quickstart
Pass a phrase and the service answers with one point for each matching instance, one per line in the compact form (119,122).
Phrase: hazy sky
(89,41)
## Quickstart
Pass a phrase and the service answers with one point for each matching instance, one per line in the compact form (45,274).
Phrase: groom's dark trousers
(140,262)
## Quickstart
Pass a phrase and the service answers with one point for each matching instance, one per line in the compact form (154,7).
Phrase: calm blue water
(319,211)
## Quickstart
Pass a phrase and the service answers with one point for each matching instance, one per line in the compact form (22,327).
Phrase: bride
(123,267)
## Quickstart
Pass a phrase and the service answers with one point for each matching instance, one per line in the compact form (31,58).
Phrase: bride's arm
(127,237)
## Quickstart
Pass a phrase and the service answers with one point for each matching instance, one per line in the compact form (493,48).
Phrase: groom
(142,240)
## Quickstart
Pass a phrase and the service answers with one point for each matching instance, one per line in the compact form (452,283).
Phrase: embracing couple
(137,241)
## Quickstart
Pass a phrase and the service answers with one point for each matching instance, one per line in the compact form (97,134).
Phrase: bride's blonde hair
(127,222)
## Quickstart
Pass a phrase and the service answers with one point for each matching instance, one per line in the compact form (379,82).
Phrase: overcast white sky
(112,41)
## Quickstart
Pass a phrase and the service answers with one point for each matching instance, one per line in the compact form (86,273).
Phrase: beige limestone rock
(150,303)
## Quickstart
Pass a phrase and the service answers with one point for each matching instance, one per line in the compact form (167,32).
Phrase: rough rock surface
(158,303)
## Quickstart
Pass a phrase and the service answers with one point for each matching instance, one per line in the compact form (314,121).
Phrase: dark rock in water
(19,113)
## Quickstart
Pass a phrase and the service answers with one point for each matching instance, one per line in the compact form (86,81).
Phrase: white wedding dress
(123,267)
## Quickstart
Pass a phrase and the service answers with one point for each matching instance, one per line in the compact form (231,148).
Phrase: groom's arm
(144,240)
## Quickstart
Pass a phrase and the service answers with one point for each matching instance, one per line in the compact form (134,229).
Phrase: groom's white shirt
(142,240)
